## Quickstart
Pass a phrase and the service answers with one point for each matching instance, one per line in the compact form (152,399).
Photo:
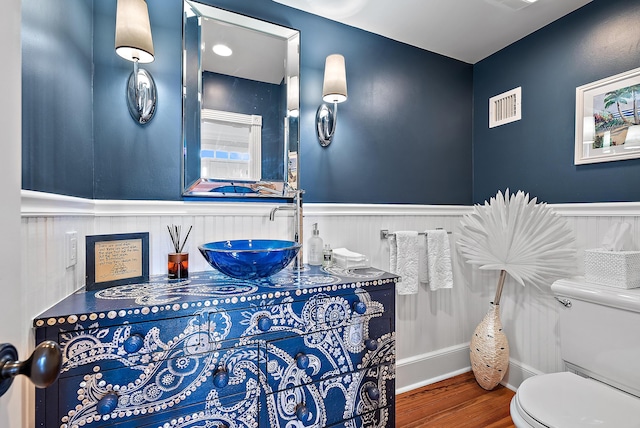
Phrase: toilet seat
(566,400)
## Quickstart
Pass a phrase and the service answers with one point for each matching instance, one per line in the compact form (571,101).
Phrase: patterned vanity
(313,349)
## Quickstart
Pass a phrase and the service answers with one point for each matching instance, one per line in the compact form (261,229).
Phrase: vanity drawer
(134,392)
(237,411)
(240,409)
(318,312)
(380,418)
(341,310)
(331,401)
(130,345)
(304,359)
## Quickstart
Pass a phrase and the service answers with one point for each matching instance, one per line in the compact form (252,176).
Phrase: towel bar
(384,233)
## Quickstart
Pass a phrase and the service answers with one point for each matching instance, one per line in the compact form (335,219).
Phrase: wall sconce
(134,43)
(293,97)
(334,90)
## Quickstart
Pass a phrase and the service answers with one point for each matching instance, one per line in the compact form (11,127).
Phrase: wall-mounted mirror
(240,105)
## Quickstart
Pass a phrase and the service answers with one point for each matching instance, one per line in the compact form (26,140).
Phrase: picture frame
(608,119)
(116,259)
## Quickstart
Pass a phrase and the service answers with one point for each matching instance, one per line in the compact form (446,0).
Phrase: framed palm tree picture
(608,119)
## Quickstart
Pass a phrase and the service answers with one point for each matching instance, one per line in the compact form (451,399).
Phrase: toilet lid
(566,400)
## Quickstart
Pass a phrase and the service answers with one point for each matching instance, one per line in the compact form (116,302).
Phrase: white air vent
(505,108)
(511,4)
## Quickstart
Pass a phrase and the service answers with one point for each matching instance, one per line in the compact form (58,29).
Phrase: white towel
(403,260)
(423,262)
(439,259)
(349,255)
(346,259)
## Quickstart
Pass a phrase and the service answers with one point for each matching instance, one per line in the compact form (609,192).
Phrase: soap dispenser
(315,247)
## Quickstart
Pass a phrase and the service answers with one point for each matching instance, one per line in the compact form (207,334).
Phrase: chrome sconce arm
(141,94)
(334,90)
(326,120)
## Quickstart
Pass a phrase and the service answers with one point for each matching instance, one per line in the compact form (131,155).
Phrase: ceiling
(467,30)
(256,55)
(262,51)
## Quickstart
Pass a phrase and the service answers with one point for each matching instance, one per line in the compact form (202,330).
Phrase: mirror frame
(209,187)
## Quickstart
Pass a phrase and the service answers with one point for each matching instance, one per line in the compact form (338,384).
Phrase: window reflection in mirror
(240,123)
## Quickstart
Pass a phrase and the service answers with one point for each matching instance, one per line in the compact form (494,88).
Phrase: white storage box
(620,269)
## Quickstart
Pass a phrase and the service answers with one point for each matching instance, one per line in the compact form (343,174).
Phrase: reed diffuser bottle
(178,262)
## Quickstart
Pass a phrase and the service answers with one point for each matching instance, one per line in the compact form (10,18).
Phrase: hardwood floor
(457,402)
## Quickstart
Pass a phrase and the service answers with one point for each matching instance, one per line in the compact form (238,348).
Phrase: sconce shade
(293,96)
(334,89)
(133,31)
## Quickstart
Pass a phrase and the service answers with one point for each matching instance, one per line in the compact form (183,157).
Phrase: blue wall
(404,135)
(536,154)
(237,95)
(133,161)
(57,130)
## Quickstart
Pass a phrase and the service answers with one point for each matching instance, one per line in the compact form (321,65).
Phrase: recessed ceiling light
(222,50)
(530,1)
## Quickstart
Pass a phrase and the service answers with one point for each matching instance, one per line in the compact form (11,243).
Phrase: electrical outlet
(71,248)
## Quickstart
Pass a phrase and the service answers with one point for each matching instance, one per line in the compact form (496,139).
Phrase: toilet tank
(600,332)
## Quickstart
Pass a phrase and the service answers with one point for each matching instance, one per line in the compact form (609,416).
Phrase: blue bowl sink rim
(241,259)
(213,246)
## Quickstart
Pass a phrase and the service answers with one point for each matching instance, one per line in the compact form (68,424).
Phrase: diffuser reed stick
(175,234)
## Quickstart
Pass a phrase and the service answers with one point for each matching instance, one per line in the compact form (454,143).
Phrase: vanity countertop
(160,296)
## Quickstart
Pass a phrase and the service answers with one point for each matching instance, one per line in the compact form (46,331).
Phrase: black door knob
(42,367)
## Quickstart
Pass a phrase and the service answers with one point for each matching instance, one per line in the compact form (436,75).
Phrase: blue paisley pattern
(318,362)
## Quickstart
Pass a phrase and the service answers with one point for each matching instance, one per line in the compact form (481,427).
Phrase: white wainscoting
(429,323)
(433,328)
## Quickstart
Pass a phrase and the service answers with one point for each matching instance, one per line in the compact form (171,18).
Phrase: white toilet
(600,344)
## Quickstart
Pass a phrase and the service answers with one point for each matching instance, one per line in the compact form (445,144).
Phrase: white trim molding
(384,209)
(598,209)
(420,370)
(38,204)
(518,373)
(426,369)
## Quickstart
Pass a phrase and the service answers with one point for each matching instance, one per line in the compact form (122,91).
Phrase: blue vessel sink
(249,258)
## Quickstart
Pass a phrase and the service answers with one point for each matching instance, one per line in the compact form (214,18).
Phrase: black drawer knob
(371,344)
(221,378)
(107,404)
(133,343)
(302,361)
(359,308)
(373,393)
(264,323)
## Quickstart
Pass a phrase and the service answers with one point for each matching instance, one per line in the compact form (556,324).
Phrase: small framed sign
(117,259)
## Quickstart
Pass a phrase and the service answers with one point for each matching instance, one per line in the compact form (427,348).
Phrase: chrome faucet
(272,214)
(297,223)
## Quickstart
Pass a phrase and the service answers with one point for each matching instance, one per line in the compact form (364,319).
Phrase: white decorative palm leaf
(520,236)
